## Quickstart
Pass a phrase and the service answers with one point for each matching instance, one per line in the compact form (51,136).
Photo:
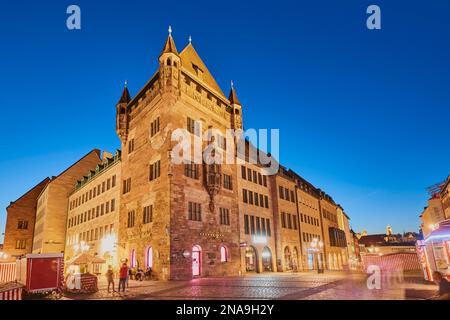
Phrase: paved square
(290,286)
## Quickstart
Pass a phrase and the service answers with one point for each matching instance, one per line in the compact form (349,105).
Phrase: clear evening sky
(362,114)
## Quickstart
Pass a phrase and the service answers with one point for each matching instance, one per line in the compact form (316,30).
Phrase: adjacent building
(52,205)
(93,216)
(20,220)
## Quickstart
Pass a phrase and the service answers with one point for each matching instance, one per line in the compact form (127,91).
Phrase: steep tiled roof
(192,63)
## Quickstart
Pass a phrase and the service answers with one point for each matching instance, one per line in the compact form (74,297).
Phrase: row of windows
(191,170)
(96,191)
(253,176)
(255,198)
(308,237)
(330,216)
(147,216)
(154,173)
(288,221)
(256,225)
(91,235)
(286,194)
(308,203)
(310,220)
(100,210)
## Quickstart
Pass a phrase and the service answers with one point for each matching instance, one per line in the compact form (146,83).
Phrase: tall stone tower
(182,220)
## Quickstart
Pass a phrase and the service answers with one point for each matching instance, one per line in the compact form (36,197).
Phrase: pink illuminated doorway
(196,260)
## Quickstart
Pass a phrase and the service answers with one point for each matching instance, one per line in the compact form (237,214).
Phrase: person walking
(110,278)
(123,276)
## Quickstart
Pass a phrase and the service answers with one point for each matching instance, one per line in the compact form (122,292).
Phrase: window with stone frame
(147,214)
(227,182)
(22,225)
(154,127)
(193,126)
(194,211)
(126,185)
(224,216)
(130,145)
(191,170)
(21,244)
(131,218)
(155,170)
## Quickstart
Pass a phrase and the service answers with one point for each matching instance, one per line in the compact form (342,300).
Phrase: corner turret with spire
(236,117)
(122,114)
(169,66)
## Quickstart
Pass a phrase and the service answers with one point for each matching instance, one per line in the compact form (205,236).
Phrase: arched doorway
(266,256)
(133,260)
(251,259)
(149,258)
(287,259)
(196,260)
(223,254)
(295,259)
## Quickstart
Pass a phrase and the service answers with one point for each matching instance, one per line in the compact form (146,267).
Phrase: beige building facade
(93,217)
(51,209)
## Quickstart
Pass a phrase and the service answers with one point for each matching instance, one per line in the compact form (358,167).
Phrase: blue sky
(362,114)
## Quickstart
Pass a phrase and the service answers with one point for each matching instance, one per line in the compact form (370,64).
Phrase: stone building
(20,219)
(209,219)
(193,217)
(93,216)
(310,225)
(334,238)
(287,223)
(52,204)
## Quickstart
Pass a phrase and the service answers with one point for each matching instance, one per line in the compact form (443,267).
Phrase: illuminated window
(223,254)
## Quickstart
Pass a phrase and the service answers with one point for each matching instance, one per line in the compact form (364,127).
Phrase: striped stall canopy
(394,261)
(7,272)
(10,291)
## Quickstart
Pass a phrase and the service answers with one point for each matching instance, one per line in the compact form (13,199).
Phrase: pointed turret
(236,118)
(232,96)
(169,67)
(125,98)
(122,114)
(169,46)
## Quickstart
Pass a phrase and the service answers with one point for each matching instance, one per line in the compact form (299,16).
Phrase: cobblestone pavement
(291,286)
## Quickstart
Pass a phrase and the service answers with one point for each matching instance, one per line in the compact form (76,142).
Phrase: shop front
(434,251)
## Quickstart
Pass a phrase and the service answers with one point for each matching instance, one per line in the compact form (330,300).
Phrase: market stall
(83,278)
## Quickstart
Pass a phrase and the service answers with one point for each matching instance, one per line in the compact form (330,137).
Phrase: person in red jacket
(123,274)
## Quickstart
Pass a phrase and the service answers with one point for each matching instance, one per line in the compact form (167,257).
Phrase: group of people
(126,273)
